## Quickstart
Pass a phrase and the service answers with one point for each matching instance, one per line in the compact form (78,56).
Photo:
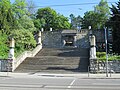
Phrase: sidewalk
(84,75)
(44,75)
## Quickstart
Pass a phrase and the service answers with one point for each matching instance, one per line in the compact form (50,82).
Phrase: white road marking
(71,83)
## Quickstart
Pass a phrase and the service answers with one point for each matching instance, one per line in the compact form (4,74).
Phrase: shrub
(102,56)
(24,40)
(4,47)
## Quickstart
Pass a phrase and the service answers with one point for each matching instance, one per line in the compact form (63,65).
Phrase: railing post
(88,71)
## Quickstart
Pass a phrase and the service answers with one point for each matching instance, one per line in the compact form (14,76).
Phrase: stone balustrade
(24,55)
(11,65)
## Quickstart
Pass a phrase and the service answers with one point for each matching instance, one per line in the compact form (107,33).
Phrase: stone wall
(100,66)
(6,65)
(54,39)
(83,39)
(100,39)
(51,39)
(11,65)
(100,35)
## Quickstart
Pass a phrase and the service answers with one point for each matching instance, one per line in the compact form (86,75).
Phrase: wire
(69,5)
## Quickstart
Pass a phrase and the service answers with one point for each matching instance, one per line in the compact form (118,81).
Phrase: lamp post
(105,28)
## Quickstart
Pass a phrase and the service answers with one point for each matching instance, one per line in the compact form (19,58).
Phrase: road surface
(51,82)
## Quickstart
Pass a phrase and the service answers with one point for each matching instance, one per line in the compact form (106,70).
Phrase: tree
(79,21)
(39,23)
(115,24)
(90,18)
(24,40)
(3,46)
(103,11)
(76,22)
(72,18)
(49,15)
(31,7)
(52,19)
(61,22)
(26,22)
(97,18)
(19,8)
(15,22)
(7,20)
(25,27)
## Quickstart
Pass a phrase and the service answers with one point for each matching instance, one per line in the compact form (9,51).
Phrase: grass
(102,56)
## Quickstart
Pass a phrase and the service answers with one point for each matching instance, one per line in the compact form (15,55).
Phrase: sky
(84,5)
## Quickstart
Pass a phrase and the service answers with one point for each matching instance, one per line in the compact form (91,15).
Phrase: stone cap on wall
(69,32)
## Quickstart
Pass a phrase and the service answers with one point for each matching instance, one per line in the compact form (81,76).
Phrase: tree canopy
(97,18)
(19,22)
(51,19)
(7,20)
(14,22)
(76,22)
(115,24)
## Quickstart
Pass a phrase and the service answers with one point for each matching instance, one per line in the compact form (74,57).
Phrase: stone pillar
(11,52)
(39,38)
(92,47)
(75,39)
(51,29)
(90,31)
(42,29)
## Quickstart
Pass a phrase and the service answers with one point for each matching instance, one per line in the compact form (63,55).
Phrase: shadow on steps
(56,60)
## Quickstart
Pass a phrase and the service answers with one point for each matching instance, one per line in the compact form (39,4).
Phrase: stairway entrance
(57,60)
(69,40)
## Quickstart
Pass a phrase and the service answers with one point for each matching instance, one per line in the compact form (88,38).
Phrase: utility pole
(106,51)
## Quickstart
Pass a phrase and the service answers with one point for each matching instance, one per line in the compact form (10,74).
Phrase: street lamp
(105,28)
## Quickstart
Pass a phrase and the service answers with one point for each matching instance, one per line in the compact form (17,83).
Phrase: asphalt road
(57,83)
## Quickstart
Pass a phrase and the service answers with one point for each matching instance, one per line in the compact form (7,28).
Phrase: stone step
(54,60)
(51,65)
(57,60)
(57,71)
(44,67)
(39,68)
(63,52)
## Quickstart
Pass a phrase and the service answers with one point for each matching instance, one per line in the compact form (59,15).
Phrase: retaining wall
(6,65)
(100,66)
(11,65)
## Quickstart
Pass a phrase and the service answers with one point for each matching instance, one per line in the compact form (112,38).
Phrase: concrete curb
(80,76)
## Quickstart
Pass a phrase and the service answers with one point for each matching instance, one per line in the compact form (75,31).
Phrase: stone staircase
(57,60)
